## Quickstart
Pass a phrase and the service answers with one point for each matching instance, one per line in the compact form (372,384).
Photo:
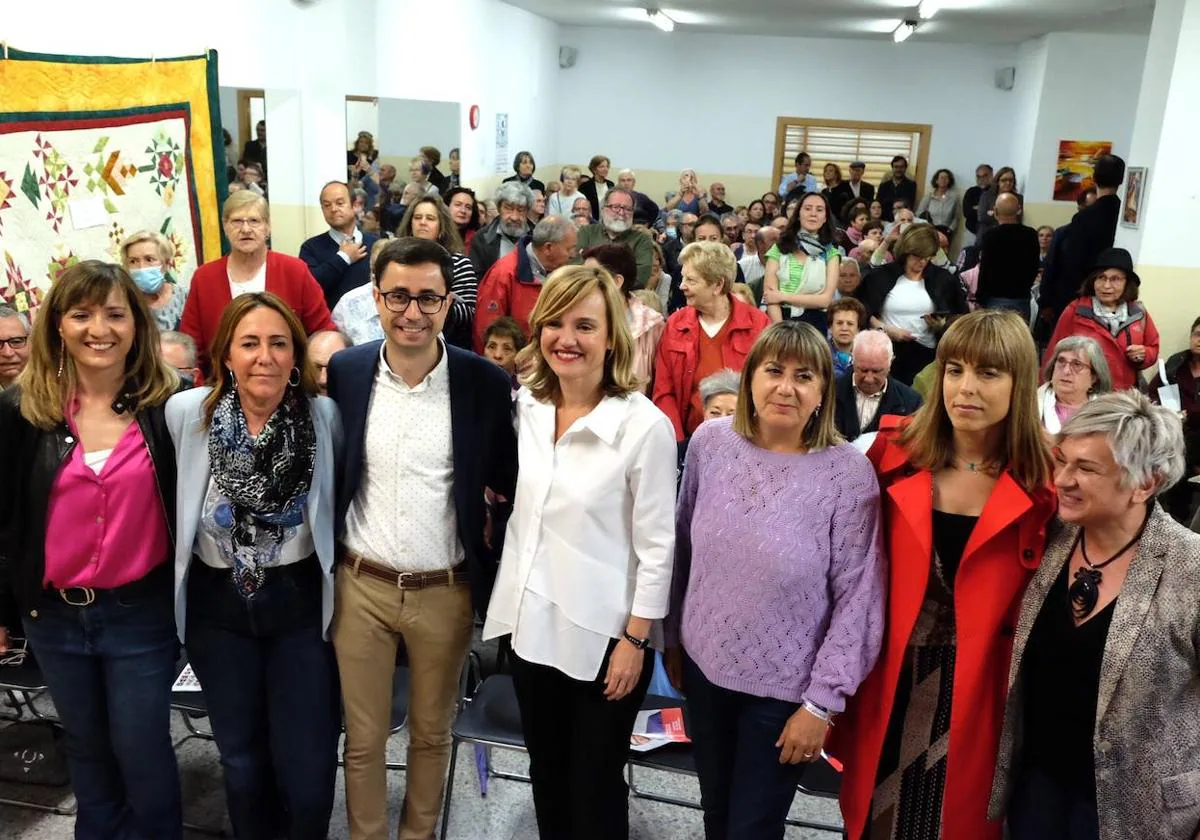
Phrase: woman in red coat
(1108,311)
(713,332)
(966,499)
(249,267)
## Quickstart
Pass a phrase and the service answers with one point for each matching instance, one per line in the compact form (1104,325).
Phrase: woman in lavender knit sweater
(779,581)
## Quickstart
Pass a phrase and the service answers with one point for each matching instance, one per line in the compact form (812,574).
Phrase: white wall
(1090,93)
(1028,85)
(361,116)
(651,100)
(405,125)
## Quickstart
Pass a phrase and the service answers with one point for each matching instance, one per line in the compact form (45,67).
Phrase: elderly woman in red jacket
(250,267)
(1108,311)
(713,332)
(966,501)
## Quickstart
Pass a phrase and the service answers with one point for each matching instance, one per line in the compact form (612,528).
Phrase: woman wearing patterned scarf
(254,568)
(802,270)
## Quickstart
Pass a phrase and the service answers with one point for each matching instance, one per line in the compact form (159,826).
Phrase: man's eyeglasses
(427,302)
(618,208)
(17,342)
(1071,365)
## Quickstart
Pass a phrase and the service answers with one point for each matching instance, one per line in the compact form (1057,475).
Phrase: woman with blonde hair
(562,203)
(586,570)
(147,255)
(803,595)
(251,266)
(254,567)
(967,498)
(691,197)
(87,521)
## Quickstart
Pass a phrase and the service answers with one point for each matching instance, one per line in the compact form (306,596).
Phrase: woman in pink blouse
(645,324)
(86,528)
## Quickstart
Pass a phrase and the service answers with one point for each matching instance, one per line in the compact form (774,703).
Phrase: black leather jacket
(30,459)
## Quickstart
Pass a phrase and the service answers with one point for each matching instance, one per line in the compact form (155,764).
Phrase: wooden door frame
(245,130)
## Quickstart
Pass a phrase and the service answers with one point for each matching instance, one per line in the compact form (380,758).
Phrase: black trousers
(578,745)
(911,359)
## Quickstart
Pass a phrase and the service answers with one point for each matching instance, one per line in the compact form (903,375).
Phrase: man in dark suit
(860,190)
(899,186)
(498,239)
(338,258)
(428,430)
(970,205)
(1075,247)
(867,392)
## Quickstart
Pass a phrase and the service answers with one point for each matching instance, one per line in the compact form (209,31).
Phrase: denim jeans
(109,667)
(270,683)
(744,790)
(1022,306)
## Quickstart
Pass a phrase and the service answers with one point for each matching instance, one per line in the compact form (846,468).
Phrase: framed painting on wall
(1135,196)
(1076,159)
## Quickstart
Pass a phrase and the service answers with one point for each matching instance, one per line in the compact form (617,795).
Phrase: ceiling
(962,21)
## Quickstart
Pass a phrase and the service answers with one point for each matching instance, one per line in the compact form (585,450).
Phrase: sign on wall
(503,157)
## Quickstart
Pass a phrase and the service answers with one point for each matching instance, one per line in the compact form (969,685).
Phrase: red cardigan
(1079,319)
(287,277)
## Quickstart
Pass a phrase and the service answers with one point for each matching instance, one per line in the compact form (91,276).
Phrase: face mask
(149,280)
(672,233)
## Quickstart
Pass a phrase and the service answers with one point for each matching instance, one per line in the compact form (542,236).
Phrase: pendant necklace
(1084,593)
(977,467)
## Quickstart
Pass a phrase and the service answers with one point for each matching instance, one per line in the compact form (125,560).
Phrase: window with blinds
(842,142)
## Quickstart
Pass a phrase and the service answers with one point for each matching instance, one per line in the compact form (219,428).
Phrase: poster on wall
(503,161)
(93,149)
(1135,197)
(1076,159)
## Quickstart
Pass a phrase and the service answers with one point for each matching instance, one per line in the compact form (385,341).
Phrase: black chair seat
(492,715)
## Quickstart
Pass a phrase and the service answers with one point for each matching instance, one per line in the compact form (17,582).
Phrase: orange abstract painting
(1076,159)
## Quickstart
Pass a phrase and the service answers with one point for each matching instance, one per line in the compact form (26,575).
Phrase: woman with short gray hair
(718,393)
(1075,372)
(1103,712)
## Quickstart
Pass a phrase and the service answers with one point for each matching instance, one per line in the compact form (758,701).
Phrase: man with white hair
(179,352)
(513,284)
(754,261)
(14,344)
(716,200)
(616,226)
(868,392)
(645,211)
(491,244)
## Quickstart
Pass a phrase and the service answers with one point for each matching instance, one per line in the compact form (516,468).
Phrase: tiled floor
(505,814)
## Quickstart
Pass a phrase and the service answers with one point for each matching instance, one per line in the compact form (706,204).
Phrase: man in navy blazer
(428,429)
(339,258)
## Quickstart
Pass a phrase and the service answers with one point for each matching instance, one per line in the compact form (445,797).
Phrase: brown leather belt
(402,580)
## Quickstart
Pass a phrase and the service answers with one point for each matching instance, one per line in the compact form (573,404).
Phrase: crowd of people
(832,470)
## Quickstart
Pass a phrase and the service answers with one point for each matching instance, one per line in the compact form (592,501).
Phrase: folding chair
(401,682)
(23,684)
(818,779)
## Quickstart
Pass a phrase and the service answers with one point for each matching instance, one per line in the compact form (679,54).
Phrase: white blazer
(185,421)
(591,539)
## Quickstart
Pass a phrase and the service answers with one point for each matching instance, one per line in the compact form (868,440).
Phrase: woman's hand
(3,640)
(1136,353)
(898,333)
(802,738)
(772,297)
(673,663)
(624,669)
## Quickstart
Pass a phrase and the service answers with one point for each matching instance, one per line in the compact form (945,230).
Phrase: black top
(1061,677)
(970,208)
(889,191)
(1077,245)
(1009,259)
(950,534)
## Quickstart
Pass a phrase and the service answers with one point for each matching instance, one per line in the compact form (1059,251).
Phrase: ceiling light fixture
(904,30)
(928,8)
(660,20)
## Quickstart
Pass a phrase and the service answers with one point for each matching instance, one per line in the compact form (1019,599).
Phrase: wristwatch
(640,644)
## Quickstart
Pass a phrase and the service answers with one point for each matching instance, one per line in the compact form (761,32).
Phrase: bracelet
(640,644)
(817,712)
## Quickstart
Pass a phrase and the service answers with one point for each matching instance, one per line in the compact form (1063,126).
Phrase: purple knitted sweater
(779,574)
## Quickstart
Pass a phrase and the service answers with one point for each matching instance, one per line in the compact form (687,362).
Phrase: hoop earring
(298,377)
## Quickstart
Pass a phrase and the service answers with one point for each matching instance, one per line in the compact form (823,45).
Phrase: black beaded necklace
(1084,593)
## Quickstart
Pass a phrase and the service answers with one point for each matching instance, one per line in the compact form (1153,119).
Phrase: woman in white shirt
(586,569)
(562,203)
